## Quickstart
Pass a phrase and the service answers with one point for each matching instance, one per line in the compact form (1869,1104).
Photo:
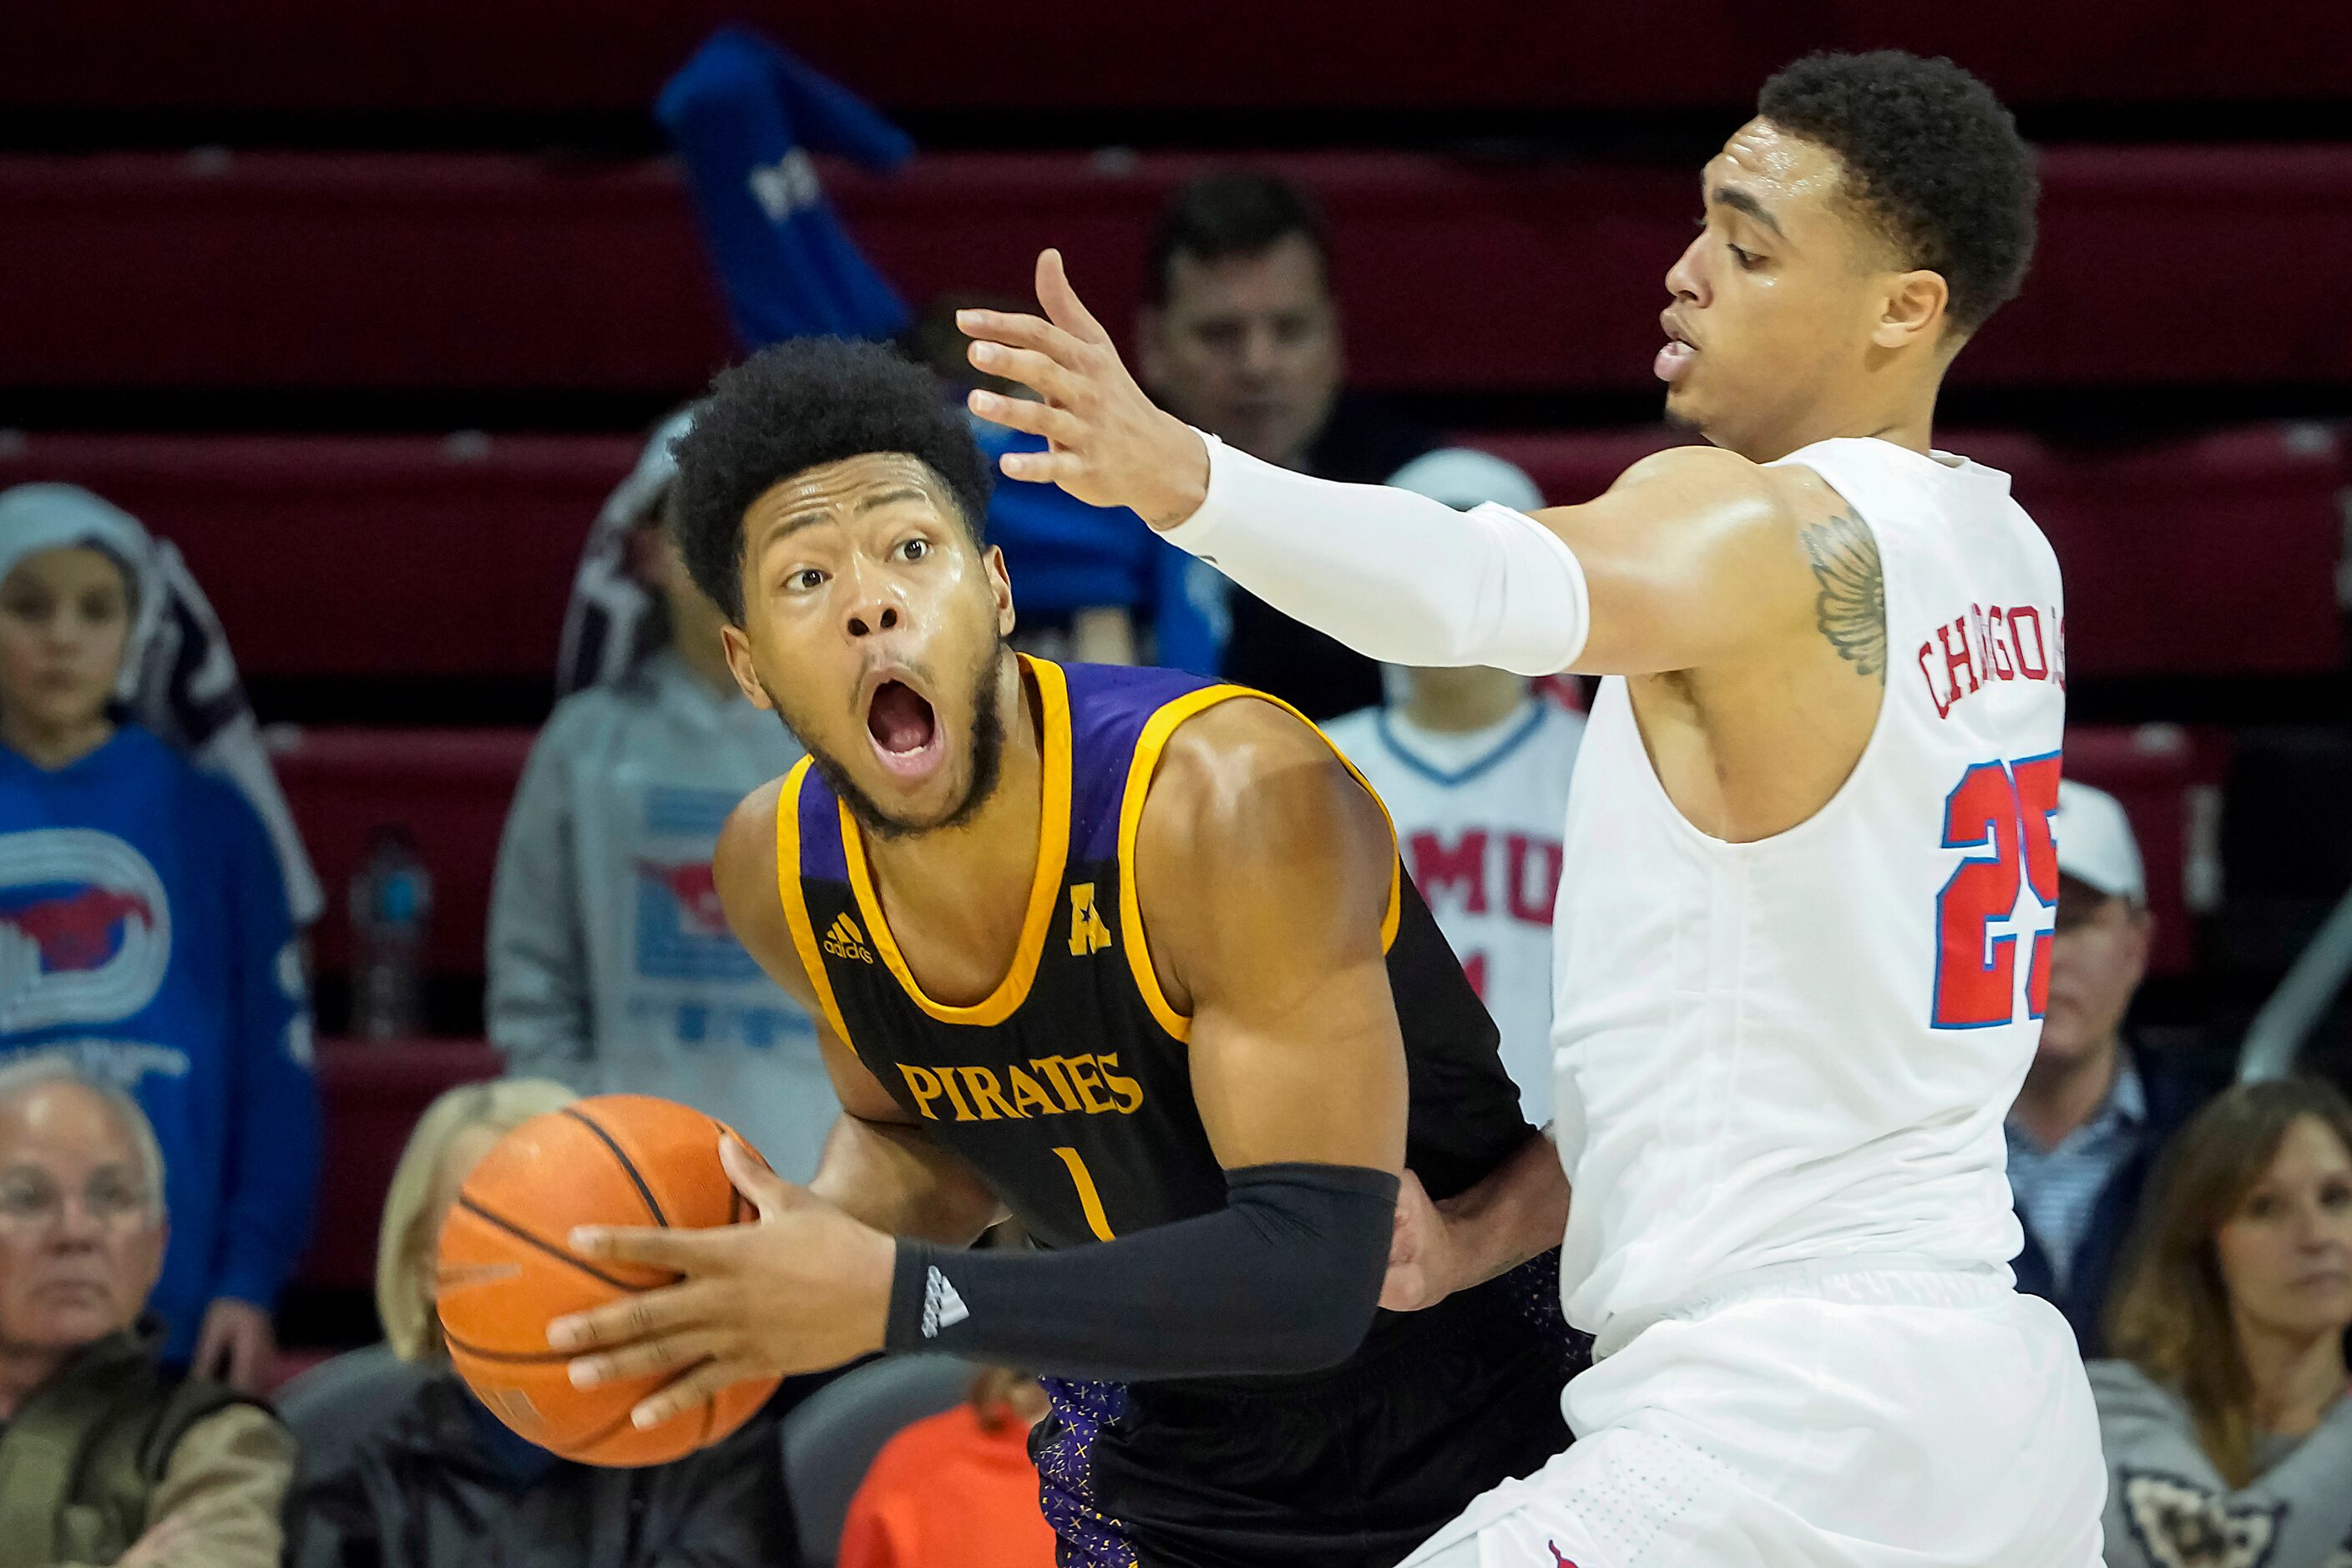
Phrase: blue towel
(745,115)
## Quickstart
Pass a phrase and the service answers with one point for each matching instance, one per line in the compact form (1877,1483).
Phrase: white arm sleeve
(1391,573)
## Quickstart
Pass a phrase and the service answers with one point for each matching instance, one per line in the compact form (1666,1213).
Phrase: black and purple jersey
(1068,1089)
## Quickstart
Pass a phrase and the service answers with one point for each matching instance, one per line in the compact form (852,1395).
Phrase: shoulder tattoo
(1851,608)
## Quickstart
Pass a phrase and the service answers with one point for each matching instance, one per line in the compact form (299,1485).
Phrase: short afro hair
(1931,155)
(797,406)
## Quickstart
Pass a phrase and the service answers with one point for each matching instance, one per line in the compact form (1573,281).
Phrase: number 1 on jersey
(2003,809)
(1089,1200)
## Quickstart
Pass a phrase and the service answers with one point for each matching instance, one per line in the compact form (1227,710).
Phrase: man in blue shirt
(2095,1113)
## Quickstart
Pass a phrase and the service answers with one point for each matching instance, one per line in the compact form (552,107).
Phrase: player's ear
(737,644)
(1000,588)
(1912,309)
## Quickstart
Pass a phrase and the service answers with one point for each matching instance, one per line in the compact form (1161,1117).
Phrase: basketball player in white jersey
(1473,764)
(1804,927)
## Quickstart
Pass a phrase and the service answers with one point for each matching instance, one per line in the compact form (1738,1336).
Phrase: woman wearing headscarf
(145,925)
(611,966)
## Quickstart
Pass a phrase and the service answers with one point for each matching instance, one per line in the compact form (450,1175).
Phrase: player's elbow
(1320,1334)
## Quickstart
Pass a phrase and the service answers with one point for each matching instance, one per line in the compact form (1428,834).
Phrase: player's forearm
(1519,1211)
(899,1182)
(1391,573)
(1284,1278)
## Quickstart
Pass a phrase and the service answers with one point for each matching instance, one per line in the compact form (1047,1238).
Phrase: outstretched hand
(1106,443)
(802,1288)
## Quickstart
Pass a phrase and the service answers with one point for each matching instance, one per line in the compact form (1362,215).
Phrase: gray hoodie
(611,966)
(2167,1508)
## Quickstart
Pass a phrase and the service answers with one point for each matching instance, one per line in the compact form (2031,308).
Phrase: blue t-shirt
(144,932)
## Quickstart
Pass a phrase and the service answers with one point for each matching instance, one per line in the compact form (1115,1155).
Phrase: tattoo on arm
(1851,609)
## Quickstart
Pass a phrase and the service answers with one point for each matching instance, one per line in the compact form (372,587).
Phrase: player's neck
(1461,701)
(51,747)
(1902,414)
(2295,1376)
(959,876)
(2060,1097)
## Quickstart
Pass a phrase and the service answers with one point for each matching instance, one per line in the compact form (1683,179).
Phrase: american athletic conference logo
(85,930)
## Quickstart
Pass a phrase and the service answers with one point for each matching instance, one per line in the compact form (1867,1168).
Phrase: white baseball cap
(2096,844)
(1463,476)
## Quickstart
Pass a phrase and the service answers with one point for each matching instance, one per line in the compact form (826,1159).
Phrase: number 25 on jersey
(2002,810)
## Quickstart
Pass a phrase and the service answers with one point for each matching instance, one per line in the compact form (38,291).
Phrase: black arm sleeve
(1284,1278)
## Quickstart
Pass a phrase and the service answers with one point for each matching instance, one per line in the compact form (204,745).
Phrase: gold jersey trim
(1149,747)
(1045,885)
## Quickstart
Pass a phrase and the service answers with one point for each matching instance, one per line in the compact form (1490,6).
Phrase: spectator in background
(2227,1425)
(144,931)
(1474,767)
(104,1456)
(2094,1111)
(440,1482)
(958,1487)
(1241,339)
(611,966)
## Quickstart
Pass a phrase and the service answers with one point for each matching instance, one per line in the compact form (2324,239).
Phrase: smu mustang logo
(85,929)
(695,889)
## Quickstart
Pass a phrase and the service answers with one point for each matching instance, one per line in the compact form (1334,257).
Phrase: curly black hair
(1930,155)
(793,407)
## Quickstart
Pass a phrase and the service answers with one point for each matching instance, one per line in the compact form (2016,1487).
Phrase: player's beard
(987,760)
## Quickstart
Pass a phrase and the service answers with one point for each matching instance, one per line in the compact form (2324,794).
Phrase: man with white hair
(2086,1130)
(1473,766)
(105,1458)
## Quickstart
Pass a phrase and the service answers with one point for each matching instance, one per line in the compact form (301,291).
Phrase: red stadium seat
(426,272)
(2213,555)
(2169,783)
(1033,57)
(450,788)
(330,557)
(370,1093)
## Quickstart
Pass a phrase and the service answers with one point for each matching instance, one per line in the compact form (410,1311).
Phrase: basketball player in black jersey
(1129,956)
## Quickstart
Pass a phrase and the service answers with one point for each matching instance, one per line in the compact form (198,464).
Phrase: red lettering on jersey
(1462,867)
(1533,903)
(1964,659)
(1997,641)
(1473,970)
(2037,665)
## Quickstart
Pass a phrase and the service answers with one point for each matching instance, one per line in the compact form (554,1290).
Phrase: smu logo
(681,930)
(85,929)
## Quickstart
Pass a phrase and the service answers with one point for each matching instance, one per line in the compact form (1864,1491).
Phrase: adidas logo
(942,1308)
(844,940)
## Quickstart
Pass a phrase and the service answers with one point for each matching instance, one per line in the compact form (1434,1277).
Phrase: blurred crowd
(160,1125)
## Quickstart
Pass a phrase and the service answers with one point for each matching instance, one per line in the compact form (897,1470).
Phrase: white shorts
(1841,1420)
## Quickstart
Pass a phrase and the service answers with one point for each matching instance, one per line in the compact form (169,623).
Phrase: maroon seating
(2168,781)
(330,557)
(450,788)
(446,271)
(372,1093)
(1032,56)
(2212,555)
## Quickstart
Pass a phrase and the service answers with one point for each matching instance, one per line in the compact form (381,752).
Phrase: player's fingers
(695,1388)
(768,1194)
(636,1316)
(1030,369)
(663,1352)
(1056,425)
(1023,332)
(656,1246)
(1041,468)
(1062,303)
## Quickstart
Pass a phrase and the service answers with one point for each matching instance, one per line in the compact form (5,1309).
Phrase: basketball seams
(628,1166)
(548,1248)
(507,1358)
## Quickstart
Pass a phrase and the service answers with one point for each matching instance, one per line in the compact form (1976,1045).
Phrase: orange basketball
(506,1271)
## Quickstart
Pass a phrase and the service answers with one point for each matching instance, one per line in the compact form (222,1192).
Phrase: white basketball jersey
(1800,1050)
(1478,821)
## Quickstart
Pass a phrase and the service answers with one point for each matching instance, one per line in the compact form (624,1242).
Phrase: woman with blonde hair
(440,1482)
(2225,1421)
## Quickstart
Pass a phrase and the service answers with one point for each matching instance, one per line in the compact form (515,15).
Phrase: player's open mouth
(905,730)
(1673,359)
